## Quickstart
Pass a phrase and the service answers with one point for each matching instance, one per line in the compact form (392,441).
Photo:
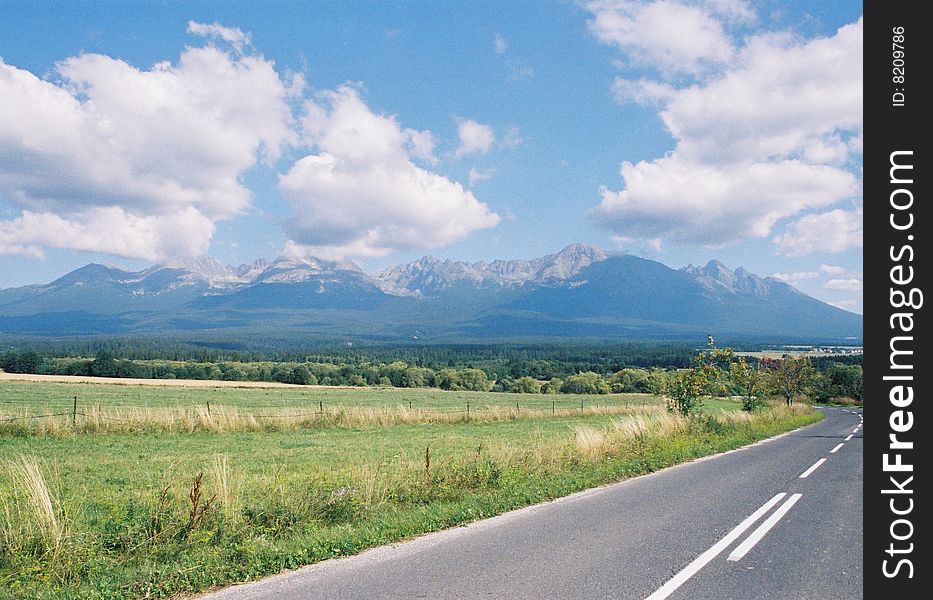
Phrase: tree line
(717,372)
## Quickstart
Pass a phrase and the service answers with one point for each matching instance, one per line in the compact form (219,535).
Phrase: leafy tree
(526,385)
(585,383)
(552,386)
(750,380)
(792,377)
(449,379)
(706,376)
(838,380)
(474,380)
(301,375)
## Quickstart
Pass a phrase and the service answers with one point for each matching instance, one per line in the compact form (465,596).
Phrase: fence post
(320,405)
(74,412)
(468,411)
(409,404)
(581,405)
(553,407)
(427,464)
(208,408)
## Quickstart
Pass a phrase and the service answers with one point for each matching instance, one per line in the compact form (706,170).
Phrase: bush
(526,385)
(585,383)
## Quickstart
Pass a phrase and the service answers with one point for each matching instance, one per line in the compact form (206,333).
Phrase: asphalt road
(686,532)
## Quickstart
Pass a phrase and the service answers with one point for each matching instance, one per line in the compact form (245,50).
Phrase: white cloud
(512,138)
(796,277)
(734,11)
(671,36)
(499,43)
(476,175)
(652,245)
(845,285)
(421,145)
(474,137)
(834,231)
(111,230)
(781,98)
(832,269)
(760,139)
(154,154)
(361,194)
(710,205)
(643,91)
(851,304)
(233,36)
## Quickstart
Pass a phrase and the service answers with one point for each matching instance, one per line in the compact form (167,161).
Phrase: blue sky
(679,130)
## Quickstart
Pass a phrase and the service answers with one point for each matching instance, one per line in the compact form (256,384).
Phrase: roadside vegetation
(114,491)
(137,516)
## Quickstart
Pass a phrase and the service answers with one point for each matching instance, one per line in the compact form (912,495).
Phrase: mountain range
(579,292)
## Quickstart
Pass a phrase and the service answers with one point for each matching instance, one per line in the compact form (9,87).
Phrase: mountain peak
(429,276)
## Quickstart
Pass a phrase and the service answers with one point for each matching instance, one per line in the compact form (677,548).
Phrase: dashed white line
(849,437)
(749,543)
(838,446)
(699,562)
(855,430)
(812,468)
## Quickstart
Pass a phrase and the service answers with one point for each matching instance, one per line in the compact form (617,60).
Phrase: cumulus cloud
(474,137)
(845,285)
(832,269)
(233,36)
(111,230)
(850,304)
(713,205)
(673,37)
(476,175)
(137,163)
(796,277)
(834,231)
(361,194)
(764,131)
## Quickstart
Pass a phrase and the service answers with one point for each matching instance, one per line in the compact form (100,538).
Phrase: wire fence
(111,413)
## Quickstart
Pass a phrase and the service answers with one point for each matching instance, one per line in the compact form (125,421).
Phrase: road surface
(779,519)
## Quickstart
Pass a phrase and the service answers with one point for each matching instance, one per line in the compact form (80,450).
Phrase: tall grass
(228,487)
(32,517)
(224,419)
(203,530)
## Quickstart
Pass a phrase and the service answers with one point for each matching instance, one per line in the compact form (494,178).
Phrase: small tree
(750,380)
(792,377)
(526,385)
(688,385)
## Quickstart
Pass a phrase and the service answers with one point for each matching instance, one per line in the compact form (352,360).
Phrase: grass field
(59,396)
(122,515)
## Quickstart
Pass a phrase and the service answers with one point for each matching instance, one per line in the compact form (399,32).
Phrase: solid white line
(749,543)
(812,468)
(838,446)
(699,562)
(849,437)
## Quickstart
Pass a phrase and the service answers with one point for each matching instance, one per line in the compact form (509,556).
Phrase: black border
(890,128)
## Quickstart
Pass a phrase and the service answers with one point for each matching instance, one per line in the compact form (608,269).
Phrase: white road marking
(849,437)
(749,543)
(838,446)
(699,562)
(812,468)
(855,430)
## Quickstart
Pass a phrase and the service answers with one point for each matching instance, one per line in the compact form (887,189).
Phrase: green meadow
(142,510)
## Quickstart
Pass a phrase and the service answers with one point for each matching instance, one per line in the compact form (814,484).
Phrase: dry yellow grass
(224,419)
(36,514)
